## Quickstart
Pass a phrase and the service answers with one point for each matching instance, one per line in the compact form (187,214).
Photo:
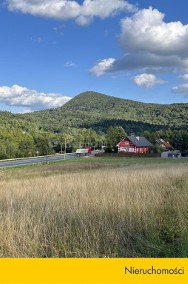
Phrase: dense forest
(98,111)
(90,119)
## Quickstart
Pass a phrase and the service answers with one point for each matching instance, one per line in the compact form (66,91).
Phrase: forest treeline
(90,119)
(16,143)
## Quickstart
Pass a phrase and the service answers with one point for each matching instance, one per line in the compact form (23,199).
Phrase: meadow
(95,207)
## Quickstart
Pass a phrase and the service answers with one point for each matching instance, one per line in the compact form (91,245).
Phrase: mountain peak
(91,95)
(99,111)
(93,101)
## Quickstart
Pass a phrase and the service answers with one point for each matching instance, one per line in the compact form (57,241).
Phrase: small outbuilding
(171,154)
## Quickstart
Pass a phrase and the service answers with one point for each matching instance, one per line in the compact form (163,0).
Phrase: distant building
(171,154)
(164,144)
(132,144)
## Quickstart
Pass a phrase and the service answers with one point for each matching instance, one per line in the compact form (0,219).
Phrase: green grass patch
(87,164)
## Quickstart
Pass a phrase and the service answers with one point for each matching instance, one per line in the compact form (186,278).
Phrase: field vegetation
(95,208)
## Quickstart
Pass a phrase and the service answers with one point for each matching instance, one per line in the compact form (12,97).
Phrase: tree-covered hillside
(18,121)
(90,119)
(99,111)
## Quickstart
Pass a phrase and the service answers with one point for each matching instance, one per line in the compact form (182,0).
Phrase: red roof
(165,143)
(137,141)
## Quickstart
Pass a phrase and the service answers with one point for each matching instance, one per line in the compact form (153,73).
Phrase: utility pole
(46,155)
(65,148)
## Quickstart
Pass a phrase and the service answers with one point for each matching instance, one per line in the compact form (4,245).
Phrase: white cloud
(146,31)
(102,66)
(69,9)
(33,100)
(184,77)
(147,80)
(70,64)
(84,20)
(151,45)
(181,89)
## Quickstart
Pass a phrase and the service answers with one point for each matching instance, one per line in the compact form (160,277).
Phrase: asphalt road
(36,160)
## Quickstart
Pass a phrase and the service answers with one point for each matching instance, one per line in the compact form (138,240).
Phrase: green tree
(65,140)
(114,135)
(177,140)
(90,136)
(26,147)
(3,152)
(79,138)
(43,144)
(11,149)
(185,139)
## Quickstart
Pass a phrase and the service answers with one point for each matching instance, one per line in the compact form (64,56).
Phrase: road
(36,160)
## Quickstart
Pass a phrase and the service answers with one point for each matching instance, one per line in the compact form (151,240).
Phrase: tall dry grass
(106,213)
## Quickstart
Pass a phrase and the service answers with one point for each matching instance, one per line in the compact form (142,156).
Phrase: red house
(164,144)
(134,144)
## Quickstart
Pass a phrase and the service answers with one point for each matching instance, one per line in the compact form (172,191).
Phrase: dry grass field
(123,211)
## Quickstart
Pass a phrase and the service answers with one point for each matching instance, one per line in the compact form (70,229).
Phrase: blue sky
(52,50)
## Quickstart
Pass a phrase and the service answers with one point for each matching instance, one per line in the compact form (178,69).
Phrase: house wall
(142,150)
(127,146)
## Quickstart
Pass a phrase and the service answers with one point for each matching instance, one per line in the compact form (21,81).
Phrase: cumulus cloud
(181,89)
(151,45)
(147,80)
(183,77)
(146,31)
(69,9)
(33,100)
(102,66)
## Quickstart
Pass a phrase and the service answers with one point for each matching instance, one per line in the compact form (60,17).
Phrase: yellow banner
(94,271)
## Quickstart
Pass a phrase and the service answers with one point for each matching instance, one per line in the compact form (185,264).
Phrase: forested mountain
(90,119)
(99,111)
